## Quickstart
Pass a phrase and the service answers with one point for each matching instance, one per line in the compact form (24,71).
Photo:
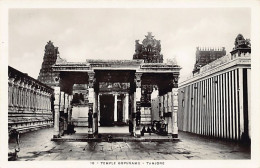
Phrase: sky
(103,33)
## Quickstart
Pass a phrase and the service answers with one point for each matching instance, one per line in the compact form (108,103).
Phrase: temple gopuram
(98,93)
(206,55)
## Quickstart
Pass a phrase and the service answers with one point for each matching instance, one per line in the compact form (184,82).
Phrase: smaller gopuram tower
(149,50)
(206,55)
(49,59)
(242,46)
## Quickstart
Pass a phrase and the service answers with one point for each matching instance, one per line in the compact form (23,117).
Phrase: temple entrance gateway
(114,92)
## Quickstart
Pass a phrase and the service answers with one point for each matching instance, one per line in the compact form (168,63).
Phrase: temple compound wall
(216,101)
(29,102)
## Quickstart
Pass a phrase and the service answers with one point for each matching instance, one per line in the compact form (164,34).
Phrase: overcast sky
(84,34)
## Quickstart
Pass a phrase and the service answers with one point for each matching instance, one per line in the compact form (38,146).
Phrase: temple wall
(29,102)
(216,102)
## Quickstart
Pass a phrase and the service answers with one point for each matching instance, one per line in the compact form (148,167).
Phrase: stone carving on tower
(242,46)
(241,42)
(149,50)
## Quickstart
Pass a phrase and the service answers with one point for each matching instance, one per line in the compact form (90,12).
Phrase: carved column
(40,100)
(57,112)
(137,116)
(115,107)
(32,98)
(126,107)
(11,92)
(169,110)
(37,100)
(92,116)
(44,107)
(20,95)
(15,96)
(98,109)
(175,105)
(70,109)
(27,96)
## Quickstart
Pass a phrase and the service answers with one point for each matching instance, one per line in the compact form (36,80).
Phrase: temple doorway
(119,111)
(106,110)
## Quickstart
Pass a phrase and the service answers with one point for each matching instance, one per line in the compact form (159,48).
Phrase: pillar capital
(56,79)
(91,79)
(138,76)
(11,80)
(174,81)
(115,94)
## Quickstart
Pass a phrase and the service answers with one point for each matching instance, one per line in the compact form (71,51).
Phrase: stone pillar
(66,106)
(57,112)
(138,104)
(32,99)
(126,107)
(16,94)
(96,113)
(25,96)
(91,98)
(169,109)
(11,92)
(19,96)
(98,109)
(41,100)
(175,106)
(29,97)
(22,95)
(69,108)
(37,99)
(115,107)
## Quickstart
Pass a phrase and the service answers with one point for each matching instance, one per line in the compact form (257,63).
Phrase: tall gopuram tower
(149,50)
(50,56)
(206,55)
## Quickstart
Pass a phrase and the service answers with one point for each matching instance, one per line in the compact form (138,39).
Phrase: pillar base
(90,135)
(138,136)
(56,136)
(174,135)
(138,132)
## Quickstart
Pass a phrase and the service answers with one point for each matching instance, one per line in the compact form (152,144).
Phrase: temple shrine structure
(98,93)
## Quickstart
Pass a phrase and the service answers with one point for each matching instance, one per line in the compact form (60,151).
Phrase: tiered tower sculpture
(149,50)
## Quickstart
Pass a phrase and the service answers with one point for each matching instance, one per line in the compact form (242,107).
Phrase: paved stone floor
(37,146)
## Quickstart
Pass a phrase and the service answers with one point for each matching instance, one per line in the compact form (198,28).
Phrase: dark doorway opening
(106,110)
(120,111)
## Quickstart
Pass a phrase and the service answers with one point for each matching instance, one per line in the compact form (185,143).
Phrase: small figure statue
(149,130)
(131,127)
(143,131)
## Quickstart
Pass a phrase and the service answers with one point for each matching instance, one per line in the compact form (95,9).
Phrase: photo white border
(255,39)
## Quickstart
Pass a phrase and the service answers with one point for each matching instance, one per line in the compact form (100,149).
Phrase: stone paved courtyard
(38,146)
